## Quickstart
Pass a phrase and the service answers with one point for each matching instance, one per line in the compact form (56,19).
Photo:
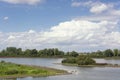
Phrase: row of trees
(105,53)
(13,51)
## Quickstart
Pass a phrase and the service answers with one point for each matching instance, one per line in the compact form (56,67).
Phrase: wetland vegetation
(12,70)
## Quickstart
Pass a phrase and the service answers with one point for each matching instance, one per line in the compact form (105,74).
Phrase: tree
(27,52)
(34,52)
(108,53)
(115,52)
(74,54)
(19,51)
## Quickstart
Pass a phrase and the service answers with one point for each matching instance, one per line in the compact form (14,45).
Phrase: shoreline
(51,72)
(23,76)
(108,65)
(29,57)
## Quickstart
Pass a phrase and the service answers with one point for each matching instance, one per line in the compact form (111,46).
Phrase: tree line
(55,52)
(105,53)
(18,52)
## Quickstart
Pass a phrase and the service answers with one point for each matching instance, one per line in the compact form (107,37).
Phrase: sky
(80,25)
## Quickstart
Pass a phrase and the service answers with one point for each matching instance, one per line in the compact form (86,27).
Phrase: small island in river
(12,70)
(85,61)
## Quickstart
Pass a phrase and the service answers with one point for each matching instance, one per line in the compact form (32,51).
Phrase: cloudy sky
(81,25)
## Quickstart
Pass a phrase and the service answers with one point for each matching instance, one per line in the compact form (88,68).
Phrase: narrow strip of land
(11,70)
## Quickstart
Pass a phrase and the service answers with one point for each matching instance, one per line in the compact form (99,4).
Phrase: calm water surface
(82,73)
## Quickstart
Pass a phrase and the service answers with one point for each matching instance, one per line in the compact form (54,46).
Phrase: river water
(81,73)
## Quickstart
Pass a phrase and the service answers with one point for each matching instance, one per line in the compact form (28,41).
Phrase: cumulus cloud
(30,2)
(98,8)
(94,7)
(77,35)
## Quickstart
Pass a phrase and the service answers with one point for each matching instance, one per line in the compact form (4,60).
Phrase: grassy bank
(11,70)
(112,58)
(93,65)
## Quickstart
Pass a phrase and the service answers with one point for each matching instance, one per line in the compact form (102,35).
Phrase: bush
(69,60)
(80,60)
(85,60)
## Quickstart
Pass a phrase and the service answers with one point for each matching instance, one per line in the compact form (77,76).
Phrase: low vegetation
(85,61)
(80,60)
(11,70)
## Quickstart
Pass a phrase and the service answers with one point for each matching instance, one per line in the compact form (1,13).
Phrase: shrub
(85,60)
(69,60)
(80,60)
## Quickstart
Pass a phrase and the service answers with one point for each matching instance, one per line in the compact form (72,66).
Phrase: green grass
(11,70)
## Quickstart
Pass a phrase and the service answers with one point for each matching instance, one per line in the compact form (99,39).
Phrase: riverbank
(95,65)
(11,70)
(116,58)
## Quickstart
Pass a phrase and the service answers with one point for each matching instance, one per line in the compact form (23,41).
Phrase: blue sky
(66,24)
(24,16)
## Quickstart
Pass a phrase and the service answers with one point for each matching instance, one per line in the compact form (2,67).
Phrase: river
(81,73)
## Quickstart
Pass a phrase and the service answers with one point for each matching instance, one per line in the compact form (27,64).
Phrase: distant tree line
(18,52)
(105,53)
(55,52)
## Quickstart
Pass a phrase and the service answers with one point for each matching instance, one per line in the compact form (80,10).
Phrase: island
(85,61)
(12,70)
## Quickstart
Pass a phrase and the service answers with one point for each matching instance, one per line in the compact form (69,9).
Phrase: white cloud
(30,2)
(5,18)
(11,37)
(99,8)
(94,7)
(70,35)
(31,31)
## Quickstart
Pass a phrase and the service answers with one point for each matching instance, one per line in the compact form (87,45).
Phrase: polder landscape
(59,39)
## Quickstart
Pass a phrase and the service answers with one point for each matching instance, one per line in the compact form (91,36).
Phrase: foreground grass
(11,70)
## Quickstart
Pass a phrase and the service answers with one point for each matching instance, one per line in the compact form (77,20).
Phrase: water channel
(82,73)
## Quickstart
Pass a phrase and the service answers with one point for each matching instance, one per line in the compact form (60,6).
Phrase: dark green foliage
(85,60)
(72,54)
(116,51)
(69,60)
(17,52)
(54,52)
(108,53)
(80,60)
(105,53)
